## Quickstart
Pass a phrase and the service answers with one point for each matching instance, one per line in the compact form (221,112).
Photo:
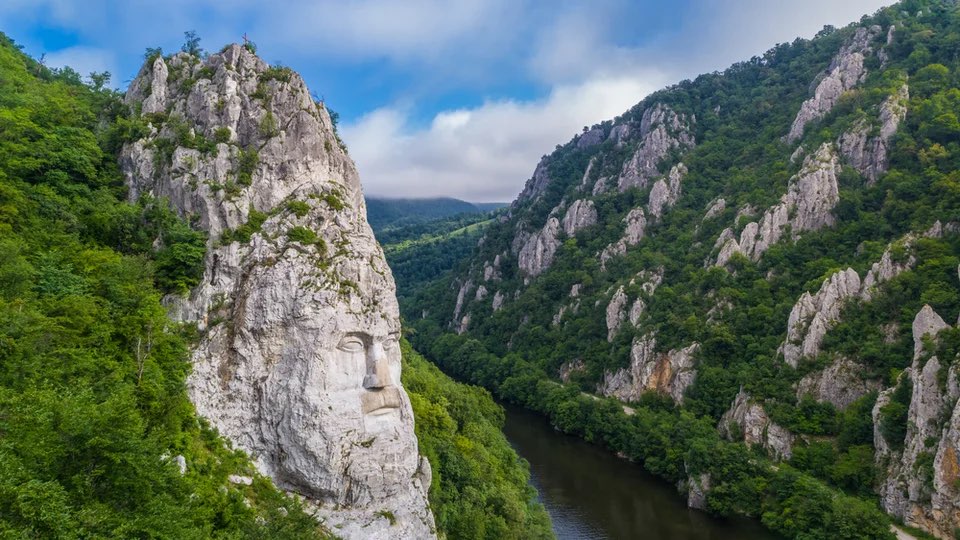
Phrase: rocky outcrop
(580,215)
(590,138)
(807,206)
(666,191)
(498,300)
(536,185)
(716,208)
(298,362)
(870,155)
(845,72)
(465,290)
(697,489)
(535,251)
(840,384)
(661,131)
(669,373)
(747,421)
(919,486)
(635,228)
(568,369)
(615,312)
(813,315)
(620,133)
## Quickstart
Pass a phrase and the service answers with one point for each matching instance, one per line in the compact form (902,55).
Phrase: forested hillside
(97,435)
(384,213)
(762,263)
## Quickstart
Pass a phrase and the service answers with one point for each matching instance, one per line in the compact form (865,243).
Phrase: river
(592,494)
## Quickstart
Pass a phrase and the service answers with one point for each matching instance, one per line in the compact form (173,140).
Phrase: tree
(191,44)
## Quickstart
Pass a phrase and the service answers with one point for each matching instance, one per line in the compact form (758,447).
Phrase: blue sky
(457,98)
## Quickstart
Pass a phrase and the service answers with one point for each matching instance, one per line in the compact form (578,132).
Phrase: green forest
(97,436)
(828,488)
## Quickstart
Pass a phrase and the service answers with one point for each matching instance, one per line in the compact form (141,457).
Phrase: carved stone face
(346,430)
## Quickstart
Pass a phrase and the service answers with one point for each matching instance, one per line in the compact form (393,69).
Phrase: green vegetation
(247,161)
(738,315)
(93,406)
(480,486)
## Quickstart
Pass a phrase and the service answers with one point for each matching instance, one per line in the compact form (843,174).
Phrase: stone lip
(271,371)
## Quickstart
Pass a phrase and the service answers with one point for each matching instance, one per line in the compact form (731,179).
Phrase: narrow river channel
(592,494)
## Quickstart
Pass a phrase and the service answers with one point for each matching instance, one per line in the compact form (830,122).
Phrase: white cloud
(484,153)
(84,60)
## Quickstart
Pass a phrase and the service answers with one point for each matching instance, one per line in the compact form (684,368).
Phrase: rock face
(536,185)
(813,315)
(867,154)
(616,309)
(666,191)
(840,384)
(535,251)
(807,206)
(580,215)
(661,130)
(669,373)
(590,138)
(920,486)
(299,361)
(615,312)
(747,421)
(636,225)
(845,72)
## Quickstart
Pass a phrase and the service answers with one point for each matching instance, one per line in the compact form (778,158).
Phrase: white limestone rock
(666,191)
(615,312)
(813,315)
(298,362)
(751,421)
(840,384)
(716,208)
(661,131)
(669,373)
(590,138)
(845,72)
(808,204)
(580,215)
(498,299)
(568,369)
(867,154)
(636,224)
(537,184)
(905,492)
(538,249)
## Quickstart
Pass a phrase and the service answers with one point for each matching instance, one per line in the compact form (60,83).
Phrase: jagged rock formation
(840,384)
(807,206)
(616,309)
(666,191)
(867,154)
(845,72)
(590,138)
(536,185)
(814,315)
(661,131)
(747,421)
(615,312)
(298,362)
(636,225)
(581,214)
(669,373)
(922,497)
(716,208)
(535,251)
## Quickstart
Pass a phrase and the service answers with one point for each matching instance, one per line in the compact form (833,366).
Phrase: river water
(592,494)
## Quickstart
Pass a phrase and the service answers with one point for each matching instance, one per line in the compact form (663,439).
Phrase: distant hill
(387,212)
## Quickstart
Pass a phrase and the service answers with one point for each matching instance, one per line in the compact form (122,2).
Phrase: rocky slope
(298,361)
(754,246)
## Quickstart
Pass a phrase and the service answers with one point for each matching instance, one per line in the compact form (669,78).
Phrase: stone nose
(378,369)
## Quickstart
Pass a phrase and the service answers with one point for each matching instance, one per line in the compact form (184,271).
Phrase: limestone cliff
(669,373)
(298,362)
(807,206)
(746,420)
(920,483)
(661,130)
(846,71)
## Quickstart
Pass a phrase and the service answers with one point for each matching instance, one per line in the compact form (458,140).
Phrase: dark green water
(591,493)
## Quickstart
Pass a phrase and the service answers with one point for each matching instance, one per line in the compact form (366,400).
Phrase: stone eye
(390,342)
(351,344)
